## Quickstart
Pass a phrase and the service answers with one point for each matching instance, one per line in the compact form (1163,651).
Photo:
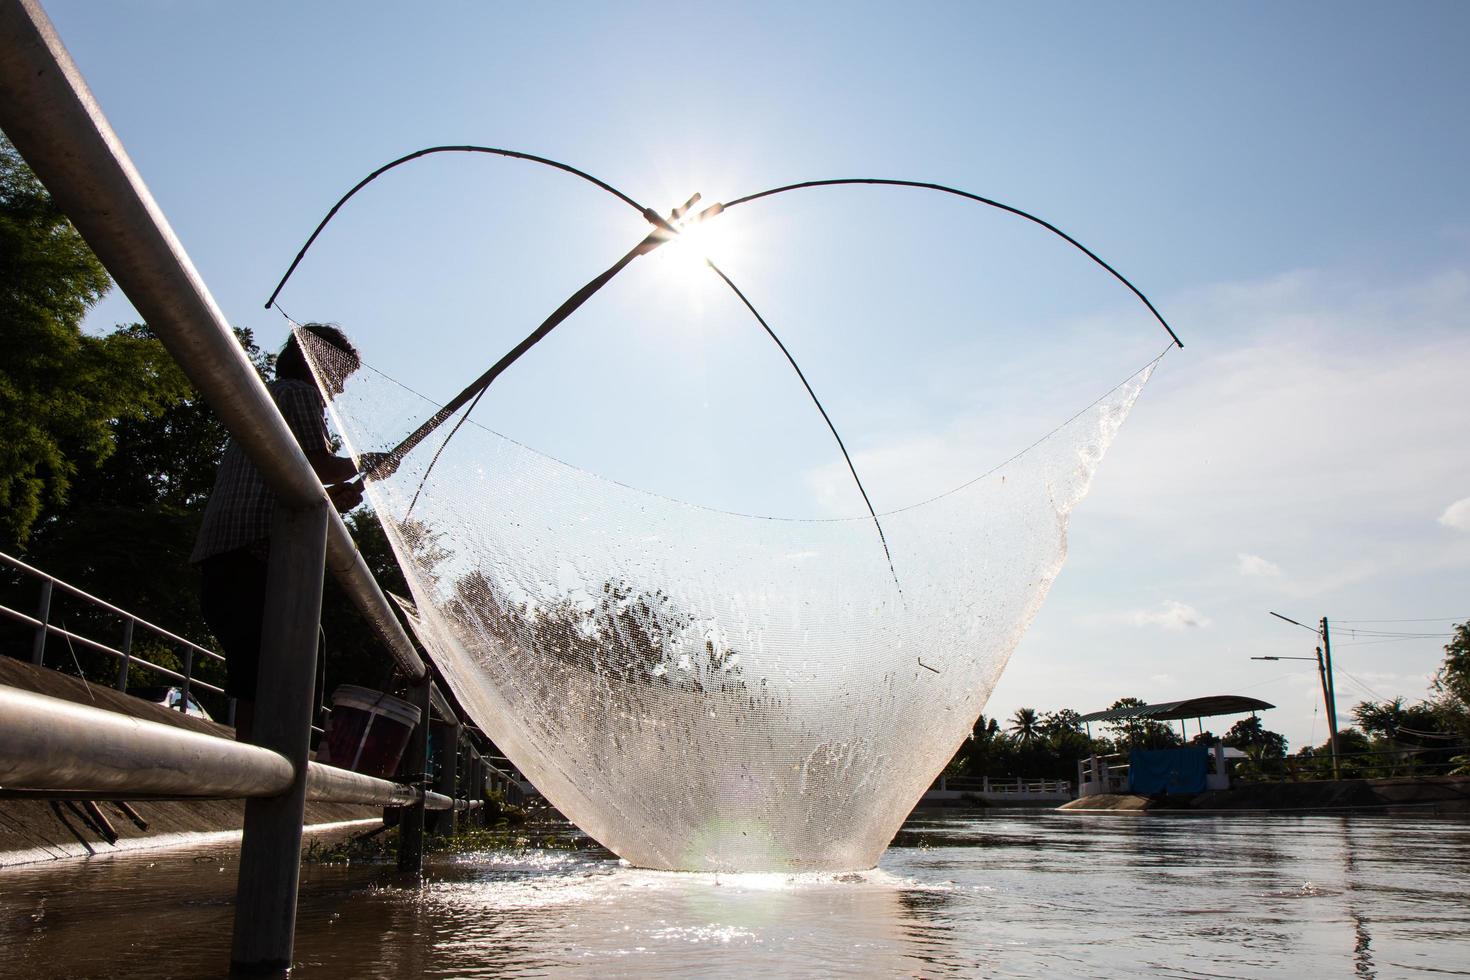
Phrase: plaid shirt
(240,505)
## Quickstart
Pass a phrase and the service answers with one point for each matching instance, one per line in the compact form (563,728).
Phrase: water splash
(671,679)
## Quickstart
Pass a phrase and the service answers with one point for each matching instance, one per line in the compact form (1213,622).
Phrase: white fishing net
(702,690)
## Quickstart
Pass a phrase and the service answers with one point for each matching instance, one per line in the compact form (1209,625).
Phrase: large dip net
(703,690)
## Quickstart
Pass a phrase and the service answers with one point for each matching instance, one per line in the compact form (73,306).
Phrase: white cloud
(1302,402)
(1171,615)
(1312,414)
(1256,566)
(1457,515)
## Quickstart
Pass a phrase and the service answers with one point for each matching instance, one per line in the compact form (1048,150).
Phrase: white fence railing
(1017,786)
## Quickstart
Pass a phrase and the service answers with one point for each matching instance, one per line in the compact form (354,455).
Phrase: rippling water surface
(998,893)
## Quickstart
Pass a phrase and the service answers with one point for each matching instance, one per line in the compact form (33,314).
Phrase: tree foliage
(127,527)
(1255,739)
(1452,683)
(1141,733)
(1048,745)
(62,392)
(168,458)
(1063,721)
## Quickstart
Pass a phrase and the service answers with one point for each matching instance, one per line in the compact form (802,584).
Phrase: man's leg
(233,602)
(244,719)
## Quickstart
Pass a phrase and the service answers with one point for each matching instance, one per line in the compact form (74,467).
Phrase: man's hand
(344,496)
(379,466)
(331,469)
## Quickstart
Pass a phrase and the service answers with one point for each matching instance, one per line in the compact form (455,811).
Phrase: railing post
(413,771)
(127,652)
(482,789)
(270,853)
(444,769)
(461,771)
(43,613)
(466,780)
(188,678)
(477,785)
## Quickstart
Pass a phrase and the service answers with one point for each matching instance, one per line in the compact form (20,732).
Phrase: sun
(701,239)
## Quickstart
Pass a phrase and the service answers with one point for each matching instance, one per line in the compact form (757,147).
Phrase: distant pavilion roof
(1207,707)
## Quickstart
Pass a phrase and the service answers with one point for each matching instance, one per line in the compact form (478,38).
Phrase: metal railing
(53,753)
(1402,762)
(501,776)
(189,653)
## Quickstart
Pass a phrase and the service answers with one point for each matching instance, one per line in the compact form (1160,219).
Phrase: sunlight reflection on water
(999,894)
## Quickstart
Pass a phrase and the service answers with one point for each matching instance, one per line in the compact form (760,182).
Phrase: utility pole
(1324,671)
(1329,691)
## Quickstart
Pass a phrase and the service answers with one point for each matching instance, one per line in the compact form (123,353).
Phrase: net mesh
(702,690)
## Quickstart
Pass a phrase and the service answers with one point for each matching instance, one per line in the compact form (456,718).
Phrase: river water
(994,893)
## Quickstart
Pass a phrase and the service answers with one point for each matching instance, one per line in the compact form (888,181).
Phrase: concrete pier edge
(66,850)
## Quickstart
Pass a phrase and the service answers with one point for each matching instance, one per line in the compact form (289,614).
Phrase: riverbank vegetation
(1387,738)
(1047,745)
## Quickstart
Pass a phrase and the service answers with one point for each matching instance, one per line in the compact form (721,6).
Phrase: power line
(1407,634)
(1403,635)
(1275,680)
(1436,619)
(1368,632)
(1364,637)
(1361,684)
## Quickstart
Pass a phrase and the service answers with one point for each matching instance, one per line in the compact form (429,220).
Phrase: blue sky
(1284,180)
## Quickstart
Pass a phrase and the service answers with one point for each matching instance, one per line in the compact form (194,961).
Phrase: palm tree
(985,730)
(1025,727)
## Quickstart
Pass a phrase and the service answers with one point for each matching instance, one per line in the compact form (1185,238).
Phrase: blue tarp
(1154,771)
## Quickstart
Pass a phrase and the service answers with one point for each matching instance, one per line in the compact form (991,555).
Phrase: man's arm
(302,408)
(330,469)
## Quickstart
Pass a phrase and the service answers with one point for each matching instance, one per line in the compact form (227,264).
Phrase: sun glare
(684,256)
